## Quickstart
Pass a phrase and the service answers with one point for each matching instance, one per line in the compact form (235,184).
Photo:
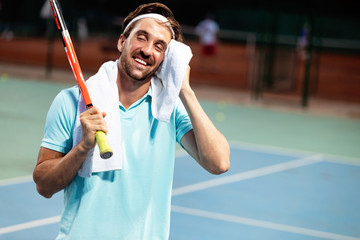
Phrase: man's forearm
(55,170)
(212,147)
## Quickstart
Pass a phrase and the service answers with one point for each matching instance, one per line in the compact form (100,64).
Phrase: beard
(139,75)
(134,74)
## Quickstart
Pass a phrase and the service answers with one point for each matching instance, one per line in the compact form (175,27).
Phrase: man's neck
(131,90)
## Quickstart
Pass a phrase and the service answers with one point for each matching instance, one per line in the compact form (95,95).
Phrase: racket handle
(105,150)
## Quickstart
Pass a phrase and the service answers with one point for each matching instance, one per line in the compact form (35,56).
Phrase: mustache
(146,57)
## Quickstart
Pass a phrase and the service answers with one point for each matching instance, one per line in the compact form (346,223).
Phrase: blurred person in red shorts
(208,30)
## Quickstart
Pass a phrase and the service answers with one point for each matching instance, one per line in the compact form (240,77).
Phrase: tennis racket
(105,150)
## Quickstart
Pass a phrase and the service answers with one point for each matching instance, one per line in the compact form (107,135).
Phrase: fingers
(92,120)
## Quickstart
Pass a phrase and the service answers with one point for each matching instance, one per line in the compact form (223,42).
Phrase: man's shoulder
(66,100)
(71,92)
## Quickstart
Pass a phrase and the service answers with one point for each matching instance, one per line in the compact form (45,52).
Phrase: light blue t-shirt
(132,203)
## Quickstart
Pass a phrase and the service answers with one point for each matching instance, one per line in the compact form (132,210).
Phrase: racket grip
(105,150)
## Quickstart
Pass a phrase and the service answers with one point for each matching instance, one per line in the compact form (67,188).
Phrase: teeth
(140,61)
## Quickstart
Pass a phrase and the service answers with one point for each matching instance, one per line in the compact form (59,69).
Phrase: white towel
(104,95)
(167,81)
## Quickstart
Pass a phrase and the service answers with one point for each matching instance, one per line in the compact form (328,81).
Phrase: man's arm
(55,170)
(204,143)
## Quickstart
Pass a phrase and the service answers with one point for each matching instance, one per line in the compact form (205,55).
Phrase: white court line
(15,180)
(27,225)
(293,152)
(248,175)
(260,223)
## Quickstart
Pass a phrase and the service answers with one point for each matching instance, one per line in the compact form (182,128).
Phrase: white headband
(156,16)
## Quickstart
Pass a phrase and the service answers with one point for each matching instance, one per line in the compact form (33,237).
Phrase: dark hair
(153,8)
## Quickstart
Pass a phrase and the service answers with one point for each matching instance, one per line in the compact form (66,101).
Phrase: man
(134,202)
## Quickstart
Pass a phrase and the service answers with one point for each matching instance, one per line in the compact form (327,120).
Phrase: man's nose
(146,50)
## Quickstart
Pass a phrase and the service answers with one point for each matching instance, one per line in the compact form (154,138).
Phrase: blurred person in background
(208,32)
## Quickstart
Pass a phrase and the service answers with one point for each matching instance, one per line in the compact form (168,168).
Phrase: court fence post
(305,90)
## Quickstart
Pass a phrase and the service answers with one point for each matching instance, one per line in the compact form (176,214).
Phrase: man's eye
(141,38)
(159,47)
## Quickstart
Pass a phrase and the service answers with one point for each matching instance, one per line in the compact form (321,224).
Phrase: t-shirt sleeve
(60,121)
(183,123)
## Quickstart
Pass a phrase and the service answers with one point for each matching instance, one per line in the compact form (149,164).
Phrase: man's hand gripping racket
(105,150)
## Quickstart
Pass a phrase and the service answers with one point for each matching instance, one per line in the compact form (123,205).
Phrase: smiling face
(143,50)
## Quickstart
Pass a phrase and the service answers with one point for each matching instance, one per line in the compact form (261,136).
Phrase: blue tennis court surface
(269,193)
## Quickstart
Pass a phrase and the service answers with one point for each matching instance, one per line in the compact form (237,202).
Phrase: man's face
(143,51)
